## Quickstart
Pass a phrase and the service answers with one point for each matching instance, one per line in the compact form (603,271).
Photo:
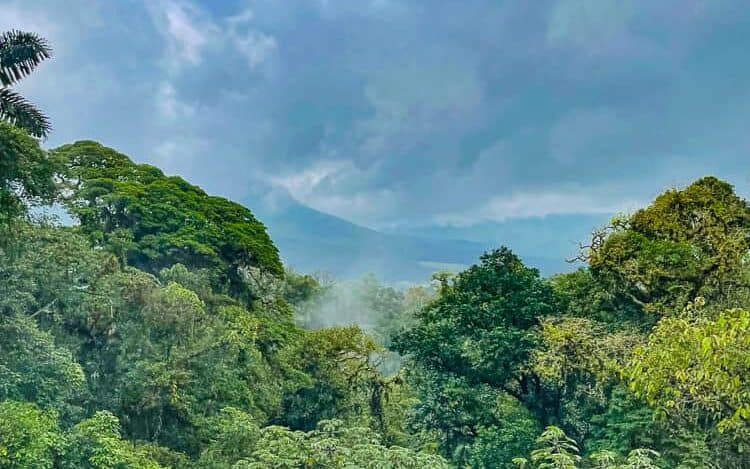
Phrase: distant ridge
(310,241)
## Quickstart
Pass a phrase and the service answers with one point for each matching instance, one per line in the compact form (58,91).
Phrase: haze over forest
(381,234)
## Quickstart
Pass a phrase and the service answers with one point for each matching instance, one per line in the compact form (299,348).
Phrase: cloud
(302,183)
(388,112)
(170,106)
(16,16)
(186,29)
(578,200)
(337,187)
(255,46)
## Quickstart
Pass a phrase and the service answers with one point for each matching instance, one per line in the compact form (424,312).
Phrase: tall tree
(20,53)
(469,349)
(687,243)
(152,221)
(481,326)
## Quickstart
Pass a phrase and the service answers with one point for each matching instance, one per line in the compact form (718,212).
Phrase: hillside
(310,240)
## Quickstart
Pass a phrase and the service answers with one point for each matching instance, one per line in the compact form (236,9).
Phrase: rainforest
(146,323)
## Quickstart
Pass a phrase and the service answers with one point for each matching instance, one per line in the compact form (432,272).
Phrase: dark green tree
(482,325)
(153,221)
(468,351)
(26,174)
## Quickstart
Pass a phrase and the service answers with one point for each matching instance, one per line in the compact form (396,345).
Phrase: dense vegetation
(161,330)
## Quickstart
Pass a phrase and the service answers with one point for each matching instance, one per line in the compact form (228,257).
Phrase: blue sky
(395,113)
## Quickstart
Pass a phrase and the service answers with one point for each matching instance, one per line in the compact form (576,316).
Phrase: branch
(44,308)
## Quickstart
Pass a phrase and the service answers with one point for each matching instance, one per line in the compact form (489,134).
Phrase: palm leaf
(20,53)
(15,109)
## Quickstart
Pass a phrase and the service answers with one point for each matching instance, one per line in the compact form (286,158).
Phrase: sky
(393,113)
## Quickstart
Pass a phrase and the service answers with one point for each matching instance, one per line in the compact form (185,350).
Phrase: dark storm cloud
(388,111)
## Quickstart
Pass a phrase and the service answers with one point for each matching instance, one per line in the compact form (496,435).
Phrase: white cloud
(301,184)
(255,46)
(541,204)
(416,100)
(338,187)
(14,17)
(186,28)
(243,17)
(170,106)
(178,155)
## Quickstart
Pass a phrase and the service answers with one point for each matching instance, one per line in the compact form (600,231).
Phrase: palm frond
(15,109)
(20,53)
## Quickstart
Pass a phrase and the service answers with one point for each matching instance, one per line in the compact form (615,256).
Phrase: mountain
(310,241)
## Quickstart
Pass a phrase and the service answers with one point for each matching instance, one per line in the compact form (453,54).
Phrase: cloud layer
(390,112)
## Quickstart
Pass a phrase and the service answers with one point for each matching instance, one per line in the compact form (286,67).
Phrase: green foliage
(29,437)
(96,443)
(555,451)
(154,221)
(577,363)
(582,295)
(511,434)
(301,289)
(232,435)
(340,377)
(333,445)
(25,172)
(626,424)
(688,243)
(469,348)
(475,425)
(34,368)
(636,459)
(161,332)
(481,324)
(177,363)
(695,368)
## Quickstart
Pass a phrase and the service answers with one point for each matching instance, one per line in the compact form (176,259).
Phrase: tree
(694,370)
(332,444)
(338,377)
(20,53)
(482,324)
(154,221)
(26,173)
(231,435)
(577,362)
(468,350)
(34,368)
(556,450)
(96,443)
(687,243)
(584,295)
(29,437)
